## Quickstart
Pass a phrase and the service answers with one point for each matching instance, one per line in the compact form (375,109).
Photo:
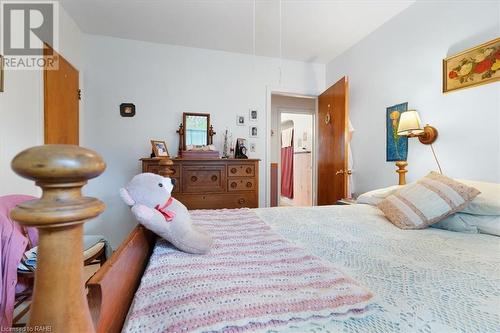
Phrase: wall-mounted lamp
(411,126)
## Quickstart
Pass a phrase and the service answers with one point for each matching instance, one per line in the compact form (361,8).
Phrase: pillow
(486,203)
(426,202)
(376,196)
(472,224)
(457,222)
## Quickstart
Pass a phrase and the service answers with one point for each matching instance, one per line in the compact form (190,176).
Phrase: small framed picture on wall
(1,73)
(159,148)
(240,120)
(254,132)
(253,115)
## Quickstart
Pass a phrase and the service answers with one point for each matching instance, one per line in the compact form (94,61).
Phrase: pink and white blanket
(252,279)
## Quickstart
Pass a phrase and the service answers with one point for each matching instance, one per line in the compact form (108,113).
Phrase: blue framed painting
(397,146)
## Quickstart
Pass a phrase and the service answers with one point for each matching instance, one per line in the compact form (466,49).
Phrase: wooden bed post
(402,171)
(59,301)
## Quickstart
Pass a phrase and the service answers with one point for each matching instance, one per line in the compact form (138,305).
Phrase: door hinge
(79,94)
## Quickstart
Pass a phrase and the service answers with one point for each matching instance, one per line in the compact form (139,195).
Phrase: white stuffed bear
(154,207)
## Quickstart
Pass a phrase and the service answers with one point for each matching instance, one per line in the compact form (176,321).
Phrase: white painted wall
(401,62)
(163,82)
(21,109)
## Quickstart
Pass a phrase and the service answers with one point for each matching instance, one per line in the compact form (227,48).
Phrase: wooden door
(61,103)
(332,152)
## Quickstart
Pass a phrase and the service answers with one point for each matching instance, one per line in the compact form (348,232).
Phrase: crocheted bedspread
(252,280)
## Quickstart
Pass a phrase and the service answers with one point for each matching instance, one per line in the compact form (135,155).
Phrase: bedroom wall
(401,62)
(164,81)
(21,108)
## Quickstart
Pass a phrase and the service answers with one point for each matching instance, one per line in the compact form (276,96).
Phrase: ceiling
(312,31)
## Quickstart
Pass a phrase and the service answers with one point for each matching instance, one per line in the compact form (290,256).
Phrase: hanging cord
(281,44)
(436,159)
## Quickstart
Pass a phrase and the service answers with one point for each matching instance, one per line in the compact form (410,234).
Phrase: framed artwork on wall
(240,120)
(254,132)
(253,115)
(1,74)
(127,110)
(397,146)
(473,67)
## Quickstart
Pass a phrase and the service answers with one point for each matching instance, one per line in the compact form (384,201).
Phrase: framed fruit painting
(472,67)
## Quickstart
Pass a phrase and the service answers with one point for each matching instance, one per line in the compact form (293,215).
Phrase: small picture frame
(254,132)
(159,148)
(1,73)
(127,110)
(253,115)
(253,147)
(240,120)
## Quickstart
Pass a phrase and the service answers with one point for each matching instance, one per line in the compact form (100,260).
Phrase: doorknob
(339,172)
(348,171)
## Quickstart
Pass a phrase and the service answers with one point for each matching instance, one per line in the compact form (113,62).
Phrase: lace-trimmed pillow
(428,201)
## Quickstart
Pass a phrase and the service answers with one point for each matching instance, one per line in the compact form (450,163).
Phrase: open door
(332,152)
(61,102)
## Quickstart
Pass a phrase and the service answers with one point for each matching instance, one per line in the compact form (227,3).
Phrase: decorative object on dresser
(196,136)
(473,67)
(240,151)
(127,110)
(159,148)
(212,183)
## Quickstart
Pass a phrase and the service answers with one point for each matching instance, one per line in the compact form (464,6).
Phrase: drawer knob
(214,178)
(233,170)
(233,185)
(249,170)
(249,184)
(241,201)
(194,178)
(173,171)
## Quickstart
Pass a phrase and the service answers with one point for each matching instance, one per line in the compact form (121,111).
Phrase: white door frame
(290,93)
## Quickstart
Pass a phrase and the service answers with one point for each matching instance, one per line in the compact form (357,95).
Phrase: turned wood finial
(165,167)
(61,171)
(402,171)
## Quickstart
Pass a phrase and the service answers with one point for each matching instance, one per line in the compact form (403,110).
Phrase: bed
(423,280)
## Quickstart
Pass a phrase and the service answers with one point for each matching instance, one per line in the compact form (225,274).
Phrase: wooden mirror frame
(184,116)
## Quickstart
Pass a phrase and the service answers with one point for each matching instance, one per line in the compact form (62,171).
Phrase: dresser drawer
(196,179)
(218,201)
(241,170)
(241,184)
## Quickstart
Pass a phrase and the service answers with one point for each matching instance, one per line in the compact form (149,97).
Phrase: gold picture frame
(159,148)
(473,67)
(1,73)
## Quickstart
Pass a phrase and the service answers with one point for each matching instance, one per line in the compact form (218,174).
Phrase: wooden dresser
(213,183)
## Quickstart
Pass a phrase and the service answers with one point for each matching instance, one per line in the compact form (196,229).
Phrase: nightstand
(345,202)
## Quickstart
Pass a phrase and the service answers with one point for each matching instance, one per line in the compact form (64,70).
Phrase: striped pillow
(428,201)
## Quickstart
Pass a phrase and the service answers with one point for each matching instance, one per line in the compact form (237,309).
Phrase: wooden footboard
(112,288)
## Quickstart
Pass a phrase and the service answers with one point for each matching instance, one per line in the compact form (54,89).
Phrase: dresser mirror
(196,126)
(196,136)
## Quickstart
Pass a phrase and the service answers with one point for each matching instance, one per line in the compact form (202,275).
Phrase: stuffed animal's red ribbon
(168,214)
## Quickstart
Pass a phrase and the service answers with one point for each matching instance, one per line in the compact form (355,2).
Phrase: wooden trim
(112,288)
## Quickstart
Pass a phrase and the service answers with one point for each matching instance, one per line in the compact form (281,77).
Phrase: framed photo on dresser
(159,148)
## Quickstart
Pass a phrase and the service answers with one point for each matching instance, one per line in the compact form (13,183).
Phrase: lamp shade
(409,123)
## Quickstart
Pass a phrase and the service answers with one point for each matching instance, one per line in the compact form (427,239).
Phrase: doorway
(297,140)
(330,172)
(293,150)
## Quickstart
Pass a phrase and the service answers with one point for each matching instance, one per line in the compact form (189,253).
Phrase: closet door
(332,148)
